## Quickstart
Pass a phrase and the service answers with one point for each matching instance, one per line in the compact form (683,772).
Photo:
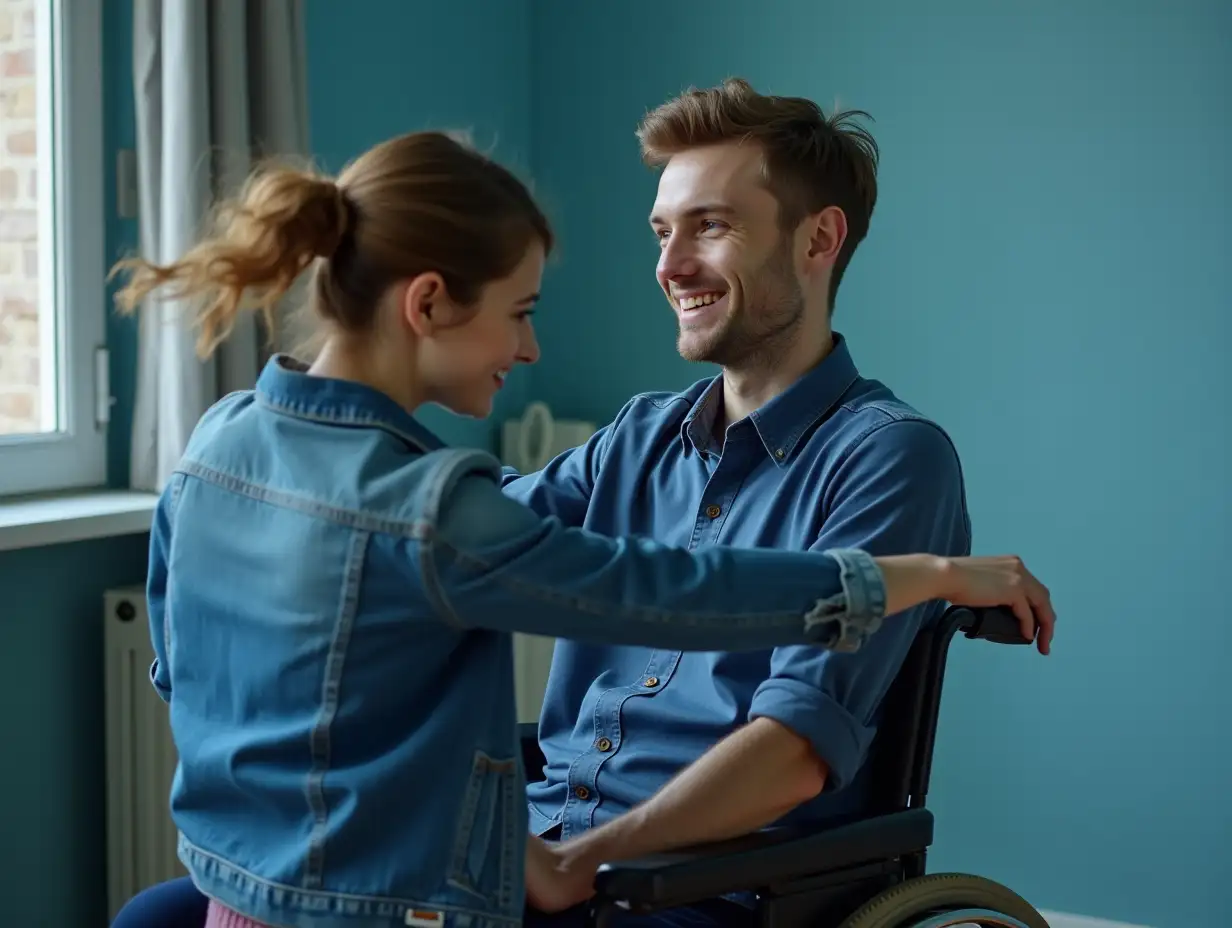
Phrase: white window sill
(52,519)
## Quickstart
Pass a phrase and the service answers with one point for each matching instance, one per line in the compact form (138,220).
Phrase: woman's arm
(492,563)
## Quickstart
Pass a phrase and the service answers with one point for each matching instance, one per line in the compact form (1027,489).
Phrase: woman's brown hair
(417,203)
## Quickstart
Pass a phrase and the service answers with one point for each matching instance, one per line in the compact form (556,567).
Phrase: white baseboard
(1066,920)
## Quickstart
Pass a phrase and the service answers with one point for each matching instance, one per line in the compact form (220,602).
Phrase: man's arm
(810,723)
(563,488)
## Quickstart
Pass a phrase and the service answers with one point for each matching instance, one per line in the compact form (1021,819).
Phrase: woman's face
(465,364)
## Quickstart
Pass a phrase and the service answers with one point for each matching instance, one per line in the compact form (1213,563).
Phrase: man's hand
(556,879)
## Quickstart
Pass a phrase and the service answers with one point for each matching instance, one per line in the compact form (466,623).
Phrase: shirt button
(652,681)
(779,453)
(582,792)
(603,744)
(713,511)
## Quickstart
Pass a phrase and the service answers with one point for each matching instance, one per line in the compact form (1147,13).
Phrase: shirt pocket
(489,846)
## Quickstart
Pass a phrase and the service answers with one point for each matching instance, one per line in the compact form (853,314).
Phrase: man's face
(725,265)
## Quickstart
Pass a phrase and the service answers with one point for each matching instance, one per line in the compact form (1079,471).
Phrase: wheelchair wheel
(947,900)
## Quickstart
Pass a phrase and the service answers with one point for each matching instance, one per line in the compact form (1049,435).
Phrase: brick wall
(19,309)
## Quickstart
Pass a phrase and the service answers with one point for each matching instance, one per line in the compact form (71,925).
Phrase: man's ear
(827,231)
(423,303)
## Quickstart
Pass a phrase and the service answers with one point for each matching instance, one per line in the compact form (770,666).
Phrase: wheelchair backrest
(902,754)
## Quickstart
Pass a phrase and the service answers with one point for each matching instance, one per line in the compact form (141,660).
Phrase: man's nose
(677,260)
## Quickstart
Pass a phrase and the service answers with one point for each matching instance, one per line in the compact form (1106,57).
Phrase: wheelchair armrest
(763,858)
(998,625)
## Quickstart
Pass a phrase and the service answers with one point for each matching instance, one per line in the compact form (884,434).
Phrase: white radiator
(532,659)
(141,757)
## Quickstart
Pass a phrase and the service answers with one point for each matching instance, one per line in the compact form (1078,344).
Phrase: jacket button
(713,511)
(603,744)
(652,681)
(582,792)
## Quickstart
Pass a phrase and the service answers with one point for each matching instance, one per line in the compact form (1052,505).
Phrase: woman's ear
(424,304)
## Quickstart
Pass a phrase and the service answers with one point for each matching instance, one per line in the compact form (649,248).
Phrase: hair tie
(343,216)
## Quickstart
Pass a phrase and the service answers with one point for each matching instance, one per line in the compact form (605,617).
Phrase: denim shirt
(835,461)
(331,600)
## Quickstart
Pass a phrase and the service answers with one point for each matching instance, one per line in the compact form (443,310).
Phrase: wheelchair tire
(939,893)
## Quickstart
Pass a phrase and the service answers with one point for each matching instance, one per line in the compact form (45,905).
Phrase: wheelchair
(867,872)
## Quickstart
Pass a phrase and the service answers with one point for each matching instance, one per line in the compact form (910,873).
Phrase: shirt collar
(286,386)
(781,423)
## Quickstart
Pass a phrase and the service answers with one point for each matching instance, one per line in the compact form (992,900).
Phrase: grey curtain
(218,84)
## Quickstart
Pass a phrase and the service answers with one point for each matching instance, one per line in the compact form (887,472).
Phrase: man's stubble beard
(761,327)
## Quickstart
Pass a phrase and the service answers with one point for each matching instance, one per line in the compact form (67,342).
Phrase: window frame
(70,77)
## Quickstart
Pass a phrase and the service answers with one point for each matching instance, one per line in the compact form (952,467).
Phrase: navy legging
(179,904)
(174,904)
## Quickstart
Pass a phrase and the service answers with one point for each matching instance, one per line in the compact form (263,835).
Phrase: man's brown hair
(811,161)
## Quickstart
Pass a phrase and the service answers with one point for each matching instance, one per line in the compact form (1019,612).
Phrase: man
(761,204)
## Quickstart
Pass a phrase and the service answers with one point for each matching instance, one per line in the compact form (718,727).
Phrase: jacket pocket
(488,845)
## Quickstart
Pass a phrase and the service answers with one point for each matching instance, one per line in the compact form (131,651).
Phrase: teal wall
(52,811)
(120,131)
(1045,274)
(1048,274)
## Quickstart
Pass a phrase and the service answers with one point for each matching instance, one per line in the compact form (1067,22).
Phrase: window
(53,302)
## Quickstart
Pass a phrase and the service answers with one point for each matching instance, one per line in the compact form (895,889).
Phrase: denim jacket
(332,594)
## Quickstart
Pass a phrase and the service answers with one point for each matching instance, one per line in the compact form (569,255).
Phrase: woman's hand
(555,880)
(972,581)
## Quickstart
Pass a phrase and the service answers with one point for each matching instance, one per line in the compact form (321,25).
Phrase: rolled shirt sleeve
(900,491)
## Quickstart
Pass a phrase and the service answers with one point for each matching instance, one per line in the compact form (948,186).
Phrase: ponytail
(417,203)
(257,246)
